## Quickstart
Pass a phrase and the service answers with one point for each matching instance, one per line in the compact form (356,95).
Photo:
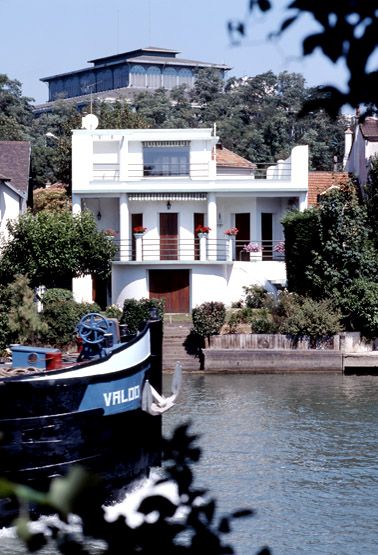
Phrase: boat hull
(89,414)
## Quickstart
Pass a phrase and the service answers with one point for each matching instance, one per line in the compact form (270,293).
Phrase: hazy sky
(40,38)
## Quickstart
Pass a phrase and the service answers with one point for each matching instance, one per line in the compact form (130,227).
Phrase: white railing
(105,172)
(198,250)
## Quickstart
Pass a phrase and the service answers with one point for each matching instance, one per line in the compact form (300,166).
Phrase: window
(166,158)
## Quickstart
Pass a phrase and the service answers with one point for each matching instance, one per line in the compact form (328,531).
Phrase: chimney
(348,136)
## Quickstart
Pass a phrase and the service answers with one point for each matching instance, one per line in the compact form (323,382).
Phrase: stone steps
(174,348)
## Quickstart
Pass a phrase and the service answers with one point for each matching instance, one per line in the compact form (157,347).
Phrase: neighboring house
(14,180)
(171,181)
(319,182)
(360,146)
(122,75)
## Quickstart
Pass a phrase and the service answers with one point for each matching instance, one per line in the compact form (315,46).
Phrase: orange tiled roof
(228,159)
(319,182)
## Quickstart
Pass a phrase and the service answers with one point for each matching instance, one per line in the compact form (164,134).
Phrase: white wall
(210,282)
(10,207)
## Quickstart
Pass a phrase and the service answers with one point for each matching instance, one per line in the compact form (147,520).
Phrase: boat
(101,410)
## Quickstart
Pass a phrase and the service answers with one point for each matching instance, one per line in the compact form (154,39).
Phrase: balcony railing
(201,250)
(280,171)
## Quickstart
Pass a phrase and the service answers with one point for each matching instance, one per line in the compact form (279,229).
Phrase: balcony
(144,250)
(280,171)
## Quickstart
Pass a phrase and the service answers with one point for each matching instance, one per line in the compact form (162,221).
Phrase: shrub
(208,318)
(237,318)
(315,319)
(136,312)
(113,311)
(57,294)
(24,322)
(62,317)
(360,307)
(255,296)
(262,321)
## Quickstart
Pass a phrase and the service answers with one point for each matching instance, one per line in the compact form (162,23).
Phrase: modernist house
(172,197)
(360,146)
(14,180)
(121,75)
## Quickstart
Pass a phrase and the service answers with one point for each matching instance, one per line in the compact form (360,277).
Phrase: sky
(40,38)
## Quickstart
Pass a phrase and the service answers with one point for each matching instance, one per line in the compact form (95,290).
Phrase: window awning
(167,196)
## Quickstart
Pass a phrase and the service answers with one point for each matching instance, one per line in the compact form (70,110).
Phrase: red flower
(202,229)
(139,229)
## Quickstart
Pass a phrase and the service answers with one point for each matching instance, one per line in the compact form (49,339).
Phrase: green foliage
(238,318)
(52,198)
(261,321)
(372,199)
(301,230)
(24,321)
(54,247)
(208,318)
(5,333)
(56,294)
(113,311)
(15,111)
(137,311)
(360,307)
(344,253)
(61,314)
(344,31)
(308,317)
(255,296)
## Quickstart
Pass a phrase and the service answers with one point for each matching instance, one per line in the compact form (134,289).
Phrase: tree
(345,253)
(54,247)
(348,31)
(24,321)
(15,111)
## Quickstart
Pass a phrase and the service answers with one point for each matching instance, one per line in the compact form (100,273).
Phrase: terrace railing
(198,250)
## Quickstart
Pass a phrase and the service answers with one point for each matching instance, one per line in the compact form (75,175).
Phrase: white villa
(173,183)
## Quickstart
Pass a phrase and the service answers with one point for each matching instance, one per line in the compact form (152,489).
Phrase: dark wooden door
(243,223)
(173,287)
(136,221)
(198,219)
(168,236)
(267,235)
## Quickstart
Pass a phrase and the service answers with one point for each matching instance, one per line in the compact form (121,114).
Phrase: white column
(254,222)
(76,204)
(138,247)
(123,160)
(203,246)
(230,248)
(124,228)
(302,201)
(212,223)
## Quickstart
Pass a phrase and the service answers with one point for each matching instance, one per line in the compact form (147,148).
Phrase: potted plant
(111,233)
(202,230)
(254,250)
(139,230)
(279,248)
(231,232)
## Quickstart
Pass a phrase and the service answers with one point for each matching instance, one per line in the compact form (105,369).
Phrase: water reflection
(300,449)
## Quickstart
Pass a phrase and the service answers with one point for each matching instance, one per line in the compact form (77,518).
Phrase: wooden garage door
(173,286)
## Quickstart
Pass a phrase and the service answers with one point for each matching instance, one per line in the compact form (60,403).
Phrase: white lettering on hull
(121,396)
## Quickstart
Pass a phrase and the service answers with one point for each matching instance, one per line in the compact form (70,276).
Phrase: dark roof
(369,129)
(15,164)
(147,55)
(132,53)
(227,159)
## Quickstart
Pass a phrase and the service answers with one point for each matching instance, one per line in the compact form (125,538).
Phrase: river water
(301,450)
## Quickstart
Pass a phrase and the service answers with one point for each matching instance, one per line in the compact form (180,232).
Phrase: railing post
(230,248)
(203,246)
(138,247)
